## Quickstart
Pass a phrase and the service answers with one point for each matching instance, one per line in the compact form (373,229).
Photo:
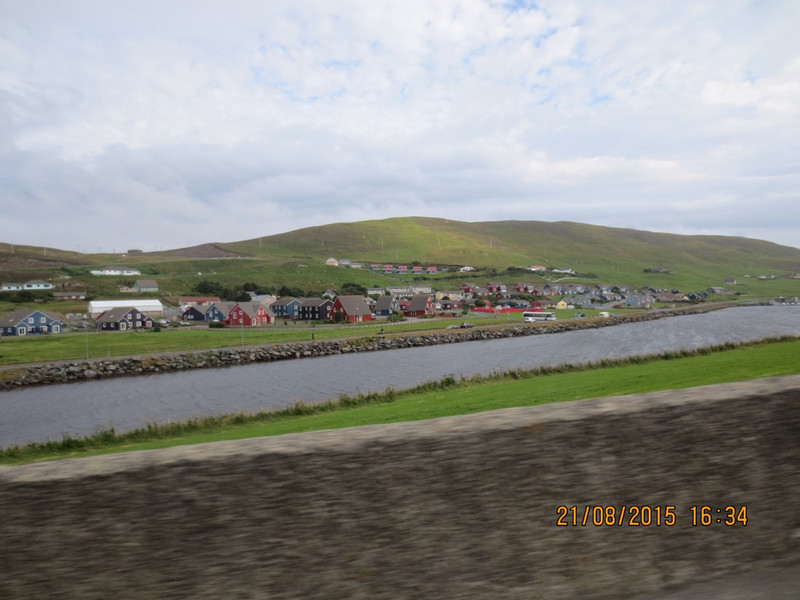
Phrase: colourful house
(218,312)
(193,313)
(250,314)
(123,318)
(286,308)
(419,306)
(314,309)
(26,322)
(350,308)
(386,305)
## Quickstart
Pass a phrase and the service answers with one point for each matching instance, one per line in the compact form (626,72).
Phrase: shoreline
(78,371)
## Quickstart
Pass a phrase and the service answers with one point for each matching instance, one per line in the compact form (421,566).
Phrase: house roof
(419,302)
(20,315)
(285,301)
(251,308)
(398,290)
(313,301)
(355,305)
(384,303)
(194,308)
(117,314)
(224,307)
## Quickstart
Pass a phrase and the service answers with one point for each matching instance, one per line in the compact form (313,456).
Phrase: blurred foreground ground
(780,583)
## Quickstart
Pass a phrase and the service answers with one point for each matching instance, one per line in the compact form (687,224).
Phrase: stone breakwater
(55,373)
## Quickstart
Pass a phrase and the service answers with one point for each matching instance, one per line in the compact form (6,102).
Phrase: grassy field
(452,397)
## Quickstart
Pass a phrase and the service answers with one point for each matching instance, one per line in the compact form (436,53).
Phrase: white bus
(533,316)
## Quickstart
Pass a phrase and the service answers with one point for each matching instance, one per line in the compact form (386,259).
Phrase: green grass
(675,370)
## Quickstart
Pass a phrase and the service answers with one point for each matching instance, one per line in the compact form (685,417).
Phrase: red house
(250,314)
(419,306)
(350,308)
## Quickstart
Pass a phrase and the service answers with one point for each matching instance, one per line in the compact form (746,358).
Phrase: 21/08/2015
(647,515)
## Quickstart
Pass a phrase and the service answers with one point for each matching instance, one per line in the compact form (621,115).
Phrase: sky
(157,125)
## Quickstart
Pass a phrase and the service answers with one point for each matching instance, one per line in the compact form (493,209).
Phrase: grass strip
(450,396)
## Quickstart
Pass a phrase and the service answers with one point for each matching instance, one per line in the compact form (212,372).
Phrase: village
(417,299)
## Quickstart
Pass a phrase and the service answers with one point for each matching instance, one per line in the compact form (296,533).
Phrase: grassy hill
(296,259)
(612,254)
(504,243)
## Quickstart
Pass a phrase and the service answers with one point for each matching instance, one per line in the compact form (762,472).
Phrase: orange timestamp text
(646,515)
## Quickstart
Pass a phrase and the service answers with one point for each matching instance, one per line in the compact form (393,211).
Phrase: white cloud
(656,115)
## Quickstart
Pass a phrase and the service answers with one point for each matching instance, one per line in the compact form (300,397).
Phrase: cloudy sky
(159,125)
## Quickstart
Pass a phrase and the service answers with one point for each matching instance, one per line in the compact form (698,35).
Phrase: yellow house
(561,304)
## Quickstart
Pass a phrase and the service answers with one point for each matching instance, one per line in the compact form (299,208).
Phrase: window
(30,320)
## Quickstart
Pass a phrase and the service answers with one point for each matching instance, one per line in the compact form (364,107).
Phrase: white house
(116,271)
(33,284)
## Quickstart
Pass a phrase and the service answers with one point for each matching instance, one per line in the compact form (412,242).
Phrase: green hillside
(297,258)
(612,254)
(503,243)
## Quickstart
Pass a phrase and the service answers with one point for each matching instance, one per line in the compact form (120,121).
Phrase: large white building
(151,307)
(116,271)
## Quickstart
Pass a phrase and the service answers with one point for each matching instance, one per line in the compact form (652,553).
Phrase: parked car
(466,325)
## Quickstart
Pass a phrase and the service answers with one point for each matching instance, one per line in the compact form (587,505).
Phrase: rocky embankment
(132,366)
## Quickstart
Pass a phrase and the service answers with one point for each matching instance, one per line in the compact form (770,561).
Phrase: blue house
(218,312)
(286,308)
(25,322)
(386,305)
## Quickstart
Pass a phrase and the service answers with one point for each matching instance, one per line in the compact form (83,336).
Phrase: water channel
(37,414)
